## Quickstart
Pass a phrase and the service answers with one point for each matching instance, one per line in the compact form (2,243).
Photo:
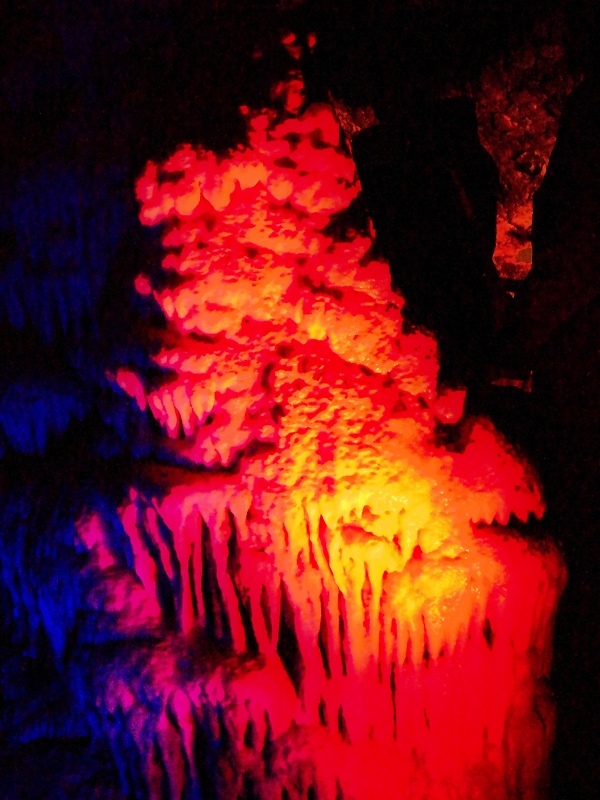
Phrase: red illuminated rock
(346,623)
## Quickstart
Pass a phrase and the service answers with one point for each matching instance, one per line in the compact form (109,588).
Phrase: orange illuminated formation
(350,618)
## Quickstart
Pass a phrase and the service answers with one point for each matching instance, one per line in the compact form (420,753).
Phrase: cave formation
(253,544)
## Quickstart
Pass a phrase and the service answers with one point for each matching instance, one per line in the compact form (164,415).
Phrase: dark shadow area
(431,189)
(554,331)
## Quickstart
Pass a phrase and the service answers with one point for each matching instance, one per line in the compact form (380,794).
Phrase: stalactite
(519,100)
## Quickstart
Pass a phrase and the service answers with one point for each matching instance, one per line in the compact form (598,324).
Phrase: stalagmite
(328,602)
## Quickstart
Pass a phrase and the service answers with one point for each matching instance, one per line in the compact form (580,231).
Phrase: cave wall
(88,95)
